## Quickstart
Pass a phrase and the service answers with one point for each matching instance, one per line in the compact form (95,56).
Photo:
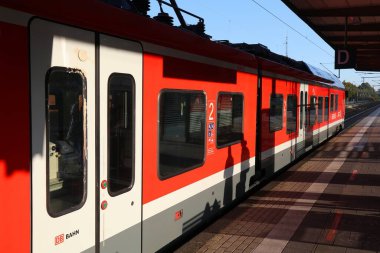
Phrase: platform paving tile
(299,247)
(313,207)
(359,251)
(329,249)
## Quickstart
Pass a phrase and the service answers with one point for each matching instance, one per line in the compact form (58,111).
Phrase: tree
(364,92)
(351,91)
(368,92)
(366,86)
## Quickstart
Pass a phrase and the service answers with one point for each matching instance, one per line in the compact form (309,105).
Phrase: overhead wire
(322,64)
(295,30)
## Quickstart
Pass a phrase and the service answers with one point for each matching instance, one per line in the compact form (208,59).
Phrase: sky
(245,21)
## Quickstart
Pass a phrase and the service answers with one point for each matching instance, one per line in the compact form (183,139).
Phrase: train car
(122,134)
(297,116)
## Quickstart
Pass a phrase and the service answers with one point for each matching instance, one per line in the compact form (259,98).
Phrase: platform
(328,202)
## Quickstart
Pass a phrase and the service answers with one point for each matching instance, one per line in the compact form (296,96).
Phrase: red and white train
(120,134)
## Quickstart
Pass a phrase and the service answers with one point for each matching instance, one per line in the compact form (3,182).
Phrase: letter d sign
(345,58)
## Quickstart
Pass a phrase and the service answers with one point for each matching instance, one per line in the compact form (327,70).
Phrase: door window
(120,133)
(66,140)
(302,110)
(326,108)
(313,110)
(320,109)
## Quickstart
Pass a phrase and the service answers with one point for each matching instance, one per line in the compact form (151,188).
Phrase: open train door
(120,129)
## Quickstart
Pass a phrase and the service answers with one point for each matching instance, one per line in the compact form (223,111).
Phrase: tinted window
(313,111)
(336,102)
(275,112)
(301,111)
(181,132)
(120,133)
(306,109)
(66,136)
(291,113)
(332,102)
(320,109)
(326,108)
(230,118)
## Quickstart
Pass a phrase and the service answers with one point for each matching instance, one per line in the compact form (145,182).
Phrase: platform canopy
(345,24)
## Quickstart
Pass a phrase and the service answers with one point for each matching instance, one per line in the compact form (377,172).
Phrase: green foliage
(364,92)
(351,90)
(365,86)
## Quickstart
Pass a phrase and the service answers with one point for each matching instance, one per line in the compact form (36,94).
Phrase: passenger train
(121,134)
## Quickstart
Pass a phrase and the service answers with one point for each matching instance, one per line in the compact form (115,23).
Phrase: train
(120,133)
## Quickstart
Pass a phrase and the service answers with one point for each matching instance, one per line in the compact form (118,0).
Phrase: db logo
(59,239)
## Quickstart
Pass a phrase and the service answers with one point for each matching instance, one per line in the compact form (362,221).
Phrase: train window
(336,102)
(120,133)
(230,119)
(313,110)
(326,108)
(291,114)
(320,109)
(306,110)
(181,132)
(301,111)
(66,135)
(275,112)
(332,103)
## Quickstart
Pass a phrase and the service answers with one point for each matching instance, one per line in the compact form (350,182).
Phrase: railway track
(355,116)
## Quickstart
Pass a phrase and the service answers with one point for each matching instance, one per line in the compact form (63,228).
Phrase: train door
(300,144)
(62,65)
(292,113)
(310,120)
(84,201)
(120,144)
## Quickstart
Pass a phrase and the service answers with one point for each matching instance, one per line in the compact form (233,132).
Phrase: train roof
(327,75)
(301,67)
(97,15)
(102,17)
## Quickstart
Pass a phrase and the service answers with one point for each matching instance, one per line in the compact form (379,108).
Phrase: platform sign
(345,58)
(211,127)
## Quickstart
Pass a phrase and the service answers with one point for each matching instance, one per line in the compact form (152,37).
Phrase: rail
(355,117)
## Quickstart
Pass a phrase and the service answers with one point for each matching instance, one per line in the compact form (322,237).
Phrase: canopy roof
(328,19)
